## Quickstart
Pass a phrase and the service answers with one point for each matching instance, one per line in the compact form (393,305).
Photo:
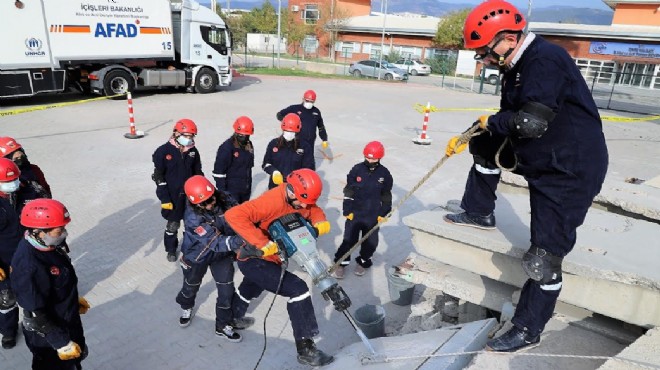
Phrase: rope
(464,138)
(497,157)
(550,355)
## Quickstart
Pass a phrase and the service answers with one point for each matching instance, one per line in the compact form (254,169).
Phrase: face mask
(184,140)
(288,135)
(242,139)
(51,241)
(308,105)
(21,161)
(372,166)
(10,187)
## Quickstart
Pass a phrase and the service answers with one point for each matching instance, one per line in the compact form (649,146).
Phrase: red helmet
(198,189)
(185,126)
(306,184)
(8,170)
(488,19)
(310,95)
(291,122)
(44,214)
(374,150)
(244,125)
(8,145)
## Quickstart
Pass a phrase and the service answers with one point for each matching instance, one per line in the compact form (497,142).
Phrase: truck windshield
(215,37)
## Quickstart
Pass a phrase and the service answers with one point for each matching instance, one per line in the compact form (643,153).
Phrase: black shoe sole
(519,349)
(469,225)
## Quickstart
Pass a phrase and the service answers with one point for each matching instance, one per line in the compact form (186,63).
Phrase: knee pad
(542,266)
(172,226)
(7,300)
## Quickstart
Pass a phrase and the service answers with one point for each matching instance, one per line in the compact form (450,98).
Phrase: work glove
(277,177)
(322,227)
(269,249)
(349,216)
(381,219)
(168,206)
(83,305)
(324,145)
(483,122)
(453,146)
(248,251)
(3,274)
(69,352)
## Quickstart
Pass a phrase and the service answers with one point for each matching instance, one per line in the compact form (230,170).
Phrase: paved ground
(116,232)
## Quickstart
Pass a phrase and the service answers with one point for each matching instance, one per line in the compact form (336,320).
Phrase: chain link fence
(628,92)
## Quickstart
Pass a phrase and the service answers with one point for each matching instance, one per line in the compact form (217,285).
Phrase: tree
(294,32)
(330,21)
(450,30)
(261,20)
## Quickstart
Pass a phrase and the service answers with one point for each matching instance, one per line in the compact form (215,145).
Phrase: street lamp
(279,30)
(382,41)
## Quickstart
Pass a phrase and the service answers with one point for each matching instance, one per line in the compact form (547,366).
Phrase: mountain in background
(554,13)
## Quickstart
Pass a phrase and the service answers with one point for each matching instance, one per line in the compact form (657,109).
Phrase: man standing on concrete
(548,128)
(234,160)
(175,162)
(311,119)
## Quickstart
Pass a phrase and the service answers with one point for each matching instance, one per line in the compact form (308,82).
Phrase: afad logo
(598,47)
(34,46)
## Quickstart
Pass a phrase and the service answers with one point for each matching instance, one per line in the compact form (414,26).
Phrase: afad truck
(111,47)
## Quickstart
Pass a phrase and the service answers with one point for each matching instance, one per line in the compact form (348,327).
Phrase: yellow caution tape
(422,108)
(13,112)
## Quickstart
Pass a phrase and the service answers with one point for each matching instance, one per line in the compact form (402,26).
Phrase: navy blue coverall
(565,167)
(311,120)
(45,282)
(368,195)
(232,170)
(209,243)
(10,236)
(286,157)
(172,168)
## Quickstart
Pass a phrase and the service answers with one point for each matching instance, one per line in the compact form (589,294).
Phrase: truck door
(216,46)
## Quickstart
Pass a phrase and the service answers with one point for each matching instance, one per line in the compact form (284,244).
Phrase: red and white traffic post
(132,134)
(423,139)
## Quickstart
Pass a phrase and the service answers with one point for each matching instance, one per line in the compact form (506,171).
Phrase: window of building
(597,71)
(347,48)
(311,14)
(310,44)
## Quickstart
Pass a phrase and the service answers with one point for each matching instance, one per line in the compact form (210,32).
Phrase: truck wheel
(118,82)
(206,81)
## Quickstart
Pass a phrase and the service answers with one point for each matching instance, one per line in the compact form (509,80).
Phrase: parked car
(492,75)
(371,68)
(414,67)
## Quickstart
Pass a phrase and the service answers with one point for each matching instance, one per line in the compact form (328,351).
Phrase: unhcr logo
(34,47)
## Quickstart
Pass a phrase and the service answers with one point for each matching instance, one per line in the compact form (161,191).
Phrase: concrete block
(612,258)
(643,352)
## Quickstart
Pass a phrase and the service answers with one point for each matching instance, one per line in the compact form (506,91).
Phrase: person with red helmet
(259,262)
(311,119)
(287,152)
(548,130)
(46,287)
(10,236)
(174,163)
(234,160)
(208,243)
(33,182)
(367,200)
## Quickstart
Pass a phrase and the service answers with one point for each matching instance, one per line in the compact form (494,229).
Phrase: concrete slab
(641,199)
(613,257)
(422,350)
(643,352)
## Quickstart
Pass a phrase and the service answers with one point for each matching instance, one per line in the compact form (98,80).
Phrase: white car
(413,67)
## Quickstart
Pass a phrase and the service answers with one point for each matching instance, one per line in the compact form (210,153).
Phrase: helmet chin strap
(502,58)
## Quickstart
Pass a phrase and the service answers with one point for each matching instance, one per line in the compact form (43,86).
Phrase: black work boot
(240,323)
(513,340)
(8,341)
(466,219)
(308,354)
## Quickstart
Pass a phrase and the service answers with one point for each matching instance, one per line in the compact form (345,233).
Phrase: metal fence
(628,92)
